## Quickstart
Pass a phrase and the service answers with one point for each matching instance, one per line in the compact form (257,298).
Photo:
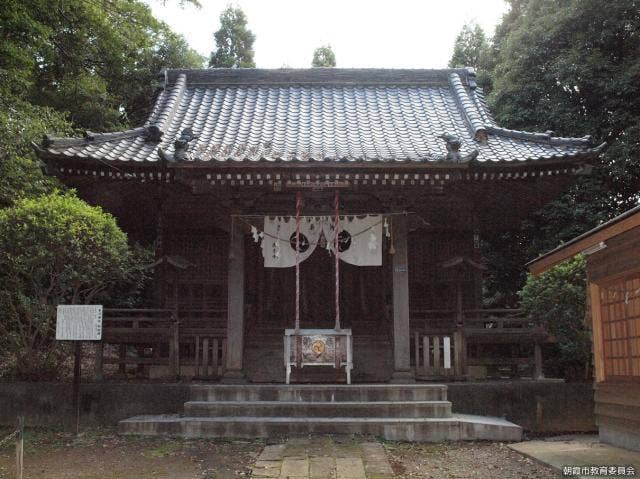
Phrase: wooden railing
(203,333)
(433,321)
(475,330)
(487,321)
(439,356)
(187,341)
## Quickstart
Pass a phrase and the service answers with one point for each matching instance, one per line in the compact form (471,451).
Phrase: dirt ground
(102,454)
(463,460)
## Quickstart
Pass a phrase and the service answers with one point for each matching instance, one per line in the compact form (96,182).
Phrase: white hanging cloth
(362,243)
(360,246)
(278,241)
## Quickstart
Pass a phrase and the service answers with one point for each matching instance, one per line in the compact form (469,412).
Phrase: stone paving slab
(322,468)
(323,457)
(375,460)
(349,468)
(294,467)
(272,453)
(577,451)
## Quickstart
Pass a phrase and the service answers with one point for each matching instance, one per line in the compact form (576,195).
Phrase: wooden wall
(204,283)
(614,287)
(431,286)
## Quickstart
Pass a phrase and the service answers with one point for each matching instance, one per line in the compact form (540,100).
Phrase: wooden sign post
(20,447)
(78,323)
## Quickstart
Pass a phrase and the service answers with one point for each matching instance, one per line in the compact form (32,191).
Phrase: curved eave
(342,163)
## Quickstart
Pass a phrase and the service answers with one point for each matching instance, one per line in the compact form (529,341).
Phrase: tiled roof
(320,114)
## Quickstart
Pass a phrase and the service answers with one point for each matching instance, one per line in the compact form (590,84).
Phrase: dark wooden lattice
(620,313)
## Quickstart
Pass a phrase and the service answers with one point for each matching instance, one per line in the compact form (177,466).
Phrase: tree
(54,249)
(571,67)
(88,58)
(473,49)
(20,173)
(74,63)
(234,41)
(574,70)
(556,300)
(323,57)
(470,47)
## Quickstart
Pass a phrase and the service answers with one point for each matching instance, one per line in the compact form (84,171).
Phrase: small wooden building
(613,272)
(223,150)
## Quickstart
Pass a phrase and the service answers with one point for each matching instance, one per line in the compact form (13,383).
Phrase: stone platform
(394,412)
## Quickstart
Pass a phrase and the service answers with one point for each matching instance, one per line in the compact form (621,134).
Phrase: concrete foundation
(538,406)
(394,412)
(620,437)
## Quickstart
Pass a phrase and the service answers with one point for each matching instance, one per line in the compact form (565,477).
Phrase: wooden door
(620,327)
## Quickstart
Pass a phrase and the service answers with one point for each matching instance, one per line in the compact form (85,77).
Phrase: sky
(362,33)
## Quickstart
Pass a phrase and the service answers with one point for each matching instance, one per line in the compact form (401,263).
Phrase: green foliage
(472,49)
(556,300)
(323,57)
(234,41)
(94,63)
(572,67)
(66,65)
(92,59)
(20,173)
(54,249)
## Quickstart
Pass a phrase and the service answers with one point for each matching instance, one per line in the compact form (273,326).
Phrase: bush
(55,249)
(556,299)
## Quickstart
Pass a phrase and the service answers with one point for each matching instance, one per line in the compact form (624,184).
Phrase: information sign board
(79,322)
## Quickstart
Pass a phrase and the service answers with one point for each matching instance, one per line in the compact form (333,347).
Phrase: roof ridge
(325,76)
(546,137)
(477,95)
(89,137)
(167,110)
(468,107)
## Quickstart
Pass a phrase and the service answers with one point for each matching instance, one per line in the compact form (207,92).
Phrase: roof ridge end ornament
(471,78)
(453,150)
(181,145)
(165,157)
(152,133)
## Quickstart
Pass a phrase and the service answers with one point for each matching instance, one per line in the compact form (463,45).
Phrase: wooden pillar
(98,368)
(122,354)
(537,361)
(175,348)
(596,329)
(235,306)
(460,353)
(401,333)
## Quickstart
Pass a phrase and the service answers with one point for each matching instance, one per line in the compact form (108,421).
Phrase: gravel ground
(102,454)
(105,455)
(463,460)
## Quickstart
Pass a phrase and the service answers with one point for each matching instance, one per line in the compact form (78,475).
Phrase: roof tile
(322,114)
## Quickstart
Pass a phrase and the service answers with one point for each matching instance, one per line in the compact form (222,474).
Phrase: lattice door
(620,314)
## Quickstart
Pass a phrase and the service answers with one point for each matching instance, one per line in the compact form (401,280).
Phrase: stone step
(456,428)
(397,409)
(319,392)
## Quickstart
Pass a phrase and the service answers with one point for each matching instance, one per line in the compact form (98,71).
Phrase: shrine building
(318,217)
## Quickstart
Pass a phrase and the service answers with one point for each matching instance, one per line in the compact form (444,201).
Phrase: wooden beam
(596,328)
(570,250)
